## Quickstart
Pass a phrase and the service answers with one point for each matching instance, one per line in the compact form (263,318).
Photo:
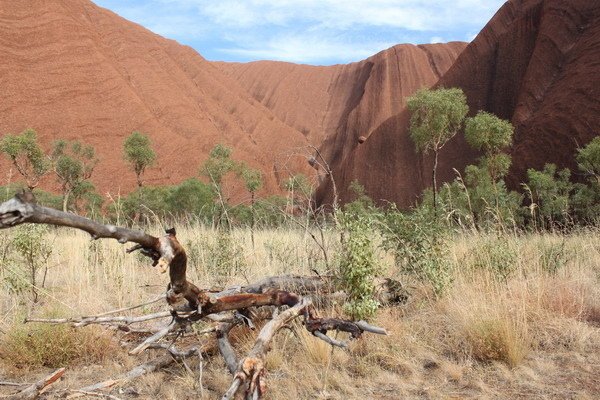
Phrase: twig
(154,338)
(83,321)
(330,340)
(33,391)
(15,384)
(95,394)
(120,310)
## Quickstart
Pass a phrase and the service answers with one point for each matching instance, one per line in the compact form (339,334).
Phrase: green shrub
(495,254)
(358,265)
(419,242)
(549,195)
(32,251)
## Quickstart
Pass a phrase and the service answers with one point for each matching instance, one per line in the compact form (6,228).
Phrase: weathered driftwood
(190,304)
(33,391)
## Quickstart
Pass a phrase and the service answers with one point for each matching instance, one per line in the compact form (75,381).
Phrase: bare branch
(120,310)
(252,370)
(83,321)
(22,208)
(154,338)
(330,340)
(225,346)
(33,391)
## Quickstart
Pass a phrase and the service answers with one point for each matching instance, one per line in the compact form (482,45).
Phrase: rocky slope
(334,106)
(536,63)
(73,70)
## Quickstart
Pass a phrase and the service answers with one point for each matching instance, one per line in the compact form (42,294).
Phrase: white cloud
(306,30)
(307,49)
(407,14)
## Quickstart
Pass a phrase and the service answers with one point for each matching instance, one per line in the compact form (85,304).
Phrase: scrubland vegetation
(518,318)
(500,289)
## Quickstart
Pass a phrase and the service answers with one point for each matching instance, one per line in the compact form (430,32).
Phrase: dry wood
(95,394)
(225,346)
(83,321)
(154,338)
(148,367)
(120,310)
(251,369)
(201,304)
(22,208)
(33,391)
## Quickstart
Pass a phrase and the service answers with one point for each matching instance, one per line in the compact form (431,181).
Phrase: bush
(54,346)
(419,242)
(358,265)
(33,250)
(495,254)
(549,194)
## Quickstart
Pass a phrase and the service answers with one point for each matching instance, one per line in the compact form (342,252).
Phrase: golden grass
(530,331)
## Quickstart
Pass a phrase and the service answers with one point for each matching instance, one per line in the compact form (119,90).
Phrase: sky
(319,32)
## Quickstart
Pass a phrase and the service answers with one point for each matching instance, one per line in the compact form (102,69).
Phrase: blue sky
(319,32)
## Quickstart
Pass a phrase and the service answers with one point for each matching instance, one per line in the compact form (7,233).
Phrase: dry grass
(521,320)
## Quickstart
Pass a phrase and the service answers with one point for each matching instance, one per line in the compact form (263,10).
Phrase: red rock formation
(70,69)
(535,63)
(335,106)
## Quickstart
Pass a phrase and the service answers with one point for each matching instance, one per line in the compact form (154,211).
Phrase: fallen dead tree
(190,304)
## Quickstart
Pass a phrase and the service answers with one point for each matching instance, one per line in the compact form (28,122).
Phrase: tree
(490,134)
(437,116)
(253,181)
(139,154)
(300,191)
(588,159)
(219,164)
(550,192)
(74,164)
(26,155)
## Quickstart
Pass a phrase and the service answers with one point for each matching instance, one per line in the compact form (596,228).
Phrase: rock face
(536,63)
(335,106)
(70,69)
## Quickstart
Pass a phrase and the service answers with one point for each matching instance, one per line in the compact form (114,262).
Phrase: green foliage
(488,133)
(481,198)
(588,159)
(26,155)
(362,204)
(496,254)
(225,258)
(299,191)
(138,152)
(191,197)
(74,164)
(32,252)
(550,194)
(43,198)
(358,265)
(437,115)
(419,243)
(252,179)
(218,164)
(586,202)
(586,198)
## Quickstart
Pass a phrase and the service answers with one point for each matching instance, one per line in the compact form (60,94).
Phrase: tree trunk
(434,181)
(252,219)
(65,201)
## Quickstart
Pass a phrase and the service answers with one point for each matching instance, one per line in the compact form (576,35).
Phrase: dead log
(252,368)
(198,304)
(33,391)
